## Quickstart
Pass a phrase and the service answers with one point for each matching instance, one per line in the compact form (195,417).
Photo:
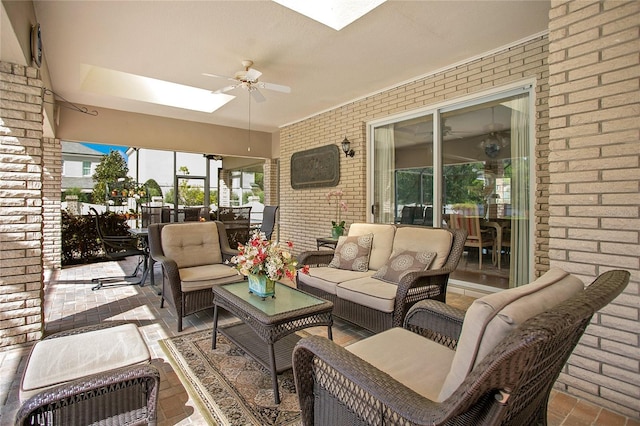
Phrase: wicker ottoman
(91,375)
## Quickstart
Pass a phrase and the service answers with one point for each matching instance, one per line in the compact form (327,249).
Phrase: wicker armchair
(125,395)
(192,256)
(509,386)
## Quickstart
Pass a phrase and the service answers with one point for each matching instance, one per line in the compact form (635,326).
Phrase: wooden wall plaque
(316,168)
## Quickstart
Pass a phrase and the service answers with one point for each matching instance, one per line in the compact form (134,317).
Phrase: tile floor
(69,303)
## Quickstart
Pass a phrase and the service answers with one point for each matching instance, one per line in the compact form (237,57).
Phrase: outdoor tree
(153,188)
(111,168)
(188,195)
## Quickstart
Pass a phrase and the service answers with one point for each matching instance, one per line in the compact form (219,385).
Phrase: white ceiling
(177,41)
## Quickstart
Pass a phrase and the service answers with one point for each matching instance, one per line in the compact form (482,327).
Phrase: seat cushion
(403,263)
(63,359)
(491,318)
(327,279)
(191,244)
(417,362)
(417,238)
(382,241)
(352,253)
(206,276)
(370,292)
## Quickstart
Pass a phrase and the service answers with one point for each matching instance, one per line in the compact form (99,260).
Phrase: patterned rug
(228,385)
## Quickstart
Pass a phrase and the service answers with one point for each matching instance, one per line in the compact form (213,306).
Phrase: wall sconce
(346,148)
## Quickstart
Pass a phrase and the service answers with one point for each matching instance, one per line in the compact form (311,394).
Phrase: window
(447,166)
(86,168)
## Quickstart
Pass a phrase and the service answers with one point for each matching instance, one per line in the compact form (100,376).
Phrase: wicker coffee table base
(268,339)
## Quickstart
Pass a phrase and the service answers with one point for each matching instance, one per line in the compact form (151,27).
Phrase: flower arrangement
(261,256)
(335,198)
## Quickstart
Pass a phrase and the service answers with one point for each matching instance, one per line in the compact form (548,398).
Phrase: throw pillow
(352,253)
(402,263)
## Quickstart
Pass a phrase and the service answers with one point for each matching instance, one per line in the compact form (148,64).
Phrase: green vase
(261,285)
(337,231)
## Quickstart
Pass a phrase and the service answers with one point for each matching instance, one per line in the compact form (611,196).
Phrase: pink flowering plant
(334,198)
(261,256)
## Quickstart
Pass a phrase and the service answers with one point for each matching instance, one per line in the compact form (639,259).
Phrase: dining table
(143,237)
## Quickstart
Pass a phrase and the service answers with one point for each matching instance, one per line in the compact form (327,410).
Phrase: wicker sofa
(494,365)
(192,256)
(372,303)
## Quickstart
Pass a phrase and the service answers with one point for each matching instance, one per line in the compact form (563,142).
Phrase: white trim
(423,76)
(488,95)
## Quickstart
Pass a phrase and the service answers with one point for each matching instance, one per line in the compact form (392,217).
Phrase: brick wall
(308,210)
(21,213)
(594,192)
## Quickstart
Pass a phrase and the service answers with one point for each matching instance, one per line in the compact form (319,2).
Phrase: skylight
(336,14)
(130,86)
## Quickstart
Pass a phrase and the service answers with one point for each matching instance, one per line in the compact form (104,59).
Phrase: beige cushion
(352,253)
(191,244)
(206,276)
(382,241)
(418,363)
(62,359)
(416,238)
(369,292)
(491,318)
(326,279)
(402,264)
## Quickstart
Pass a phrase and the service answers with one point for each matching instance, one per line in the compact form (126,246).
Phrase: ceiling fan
(248,79)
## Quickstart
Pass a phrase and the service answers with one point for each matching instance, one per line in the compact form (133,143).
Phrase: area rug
(228,386)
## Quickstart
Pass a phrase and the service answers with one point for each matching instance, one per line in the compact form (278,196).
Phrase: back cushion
(382,241)
(415,238)
(491,318)
(191,244)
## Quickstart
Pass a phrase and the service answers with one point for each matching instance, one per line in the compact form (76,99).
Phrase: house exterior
(78,165)
(586,75)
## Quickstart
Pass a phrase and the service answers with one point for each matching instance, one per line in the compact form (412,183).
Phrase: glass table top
(287,298)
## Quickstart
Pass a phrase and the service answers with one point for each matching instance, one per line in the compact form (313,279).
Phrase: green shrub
(80,243)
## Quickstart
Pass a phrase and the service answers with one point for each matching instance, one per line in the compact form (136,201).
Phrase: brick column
(594,194)
(21,233)
(51,193)
(270,182)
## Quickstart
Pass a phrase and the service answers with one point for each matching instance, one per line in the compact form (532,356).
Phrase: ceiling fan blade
(217,76)
(226,89)
(252,74)
(257,96)
(276,87)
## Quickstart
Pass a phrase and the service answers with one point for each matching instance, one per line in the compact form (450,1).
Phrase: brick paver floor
(70,302)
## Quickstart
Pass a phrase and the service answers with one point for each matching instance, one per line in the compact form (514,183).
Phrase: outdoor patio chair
(192,255)
(118,247)
(237,222)
(268,220)
(504,377)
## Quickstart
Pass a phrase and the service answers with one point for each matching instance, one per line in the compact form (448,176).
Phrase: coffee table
(267,330)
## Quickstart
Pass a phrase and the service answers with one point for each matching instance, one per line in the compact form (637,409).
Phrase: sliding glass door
(465,166)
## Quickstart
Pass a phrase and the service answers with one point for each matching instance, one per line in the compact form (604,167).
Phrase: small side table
(328,242)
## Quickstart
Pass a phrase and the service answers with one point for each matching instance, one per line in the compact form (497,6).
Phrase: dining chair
(268,220)
(477,236)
